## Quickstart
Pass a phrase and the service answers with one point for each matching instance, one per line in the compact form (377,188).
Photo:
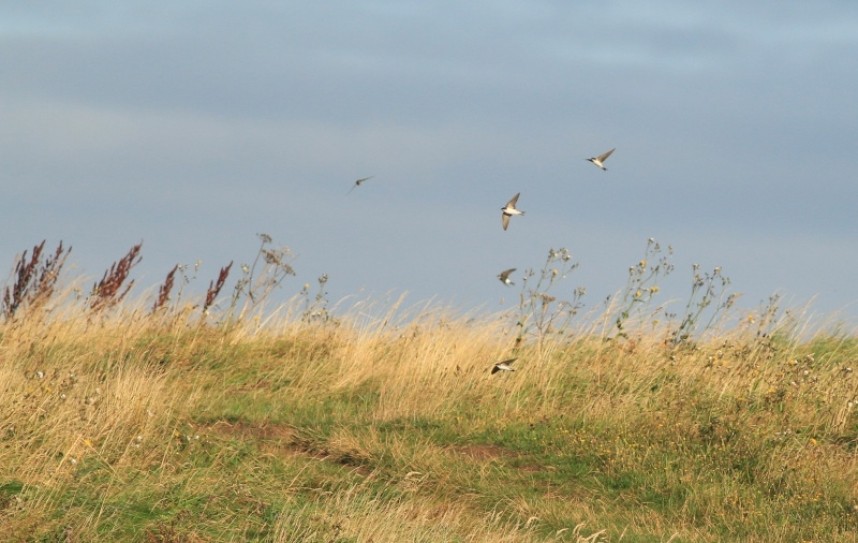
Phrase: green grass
(139,429)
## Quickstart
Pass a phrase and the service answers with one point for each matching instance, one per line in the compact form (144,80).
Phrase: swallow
(504,277)
(509,210)
(599,161)
(359,182)
(503,366)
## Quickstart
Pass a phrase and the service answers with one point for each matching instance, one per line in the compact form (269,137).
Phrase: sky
(195,126)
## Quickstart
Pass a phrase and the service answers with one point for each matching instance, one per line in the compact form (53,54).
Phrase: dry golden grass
(132,426)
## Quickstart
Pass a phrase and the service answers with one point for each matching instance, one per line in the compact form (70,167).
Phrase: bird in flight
(599,160)
(509,210)
(503,366)
(504,277)
(359,182)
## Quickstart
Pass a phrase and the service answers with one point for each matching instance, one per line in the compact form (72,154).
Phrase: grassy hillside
(125,422)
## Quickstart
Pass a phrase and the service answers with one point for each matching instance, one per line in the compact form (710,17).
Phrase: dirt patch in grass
(257,432)
(480,452)
(274,439)
(483,452)
(284,440)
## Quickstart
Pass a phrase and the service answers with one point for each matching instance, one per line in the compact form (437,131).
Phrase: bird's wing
(604,156)
(514,200)
(505,220)
(509,362)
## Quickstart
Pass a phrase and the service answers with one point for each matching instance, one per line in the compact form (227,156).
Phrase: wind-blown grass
(165,426)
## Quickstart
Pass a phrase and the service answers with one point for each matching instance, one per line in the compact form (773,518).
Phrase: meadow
(178,418)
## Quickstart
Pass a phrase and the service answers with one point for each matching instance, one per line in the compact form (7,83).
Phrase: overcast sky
(193,126)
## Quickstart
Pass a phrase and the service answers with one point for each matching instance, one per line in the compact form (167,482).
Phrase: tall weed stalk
(34,279)
(115,283)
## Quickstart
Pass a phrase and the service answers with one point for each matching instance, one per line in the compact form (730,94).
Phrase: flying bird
(503,366)
(599,160)
(509,210)
(504,277)
(359,182)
